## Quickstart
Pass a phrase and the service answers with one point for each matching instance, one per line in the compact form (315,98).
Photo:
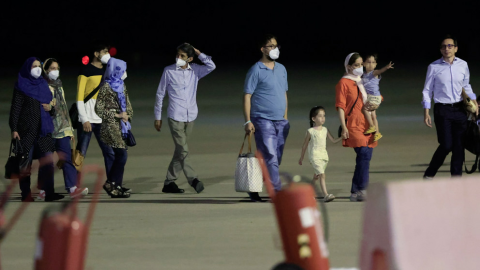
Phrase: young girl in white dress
(316,141)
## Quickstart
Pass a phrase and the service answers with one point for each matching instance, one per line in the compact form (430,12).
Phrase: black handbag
(472,143)
(73,112)
(130,140)
(12,168)
(340,128)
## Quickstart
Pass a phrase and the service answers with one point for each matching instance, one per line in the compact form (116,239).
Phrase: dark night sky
(147,32)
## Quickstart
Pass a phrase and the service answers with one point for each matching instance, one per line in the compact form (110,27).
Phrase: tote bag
(77,158)
(248,173)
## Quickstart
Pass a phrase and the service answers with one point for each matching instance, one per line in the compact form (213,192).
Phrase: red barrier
(62,238)
(5,226)
(422,225)
(298,219)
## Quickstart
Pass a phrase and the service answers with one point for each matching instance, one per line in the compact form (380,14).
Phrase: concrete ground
(219,228)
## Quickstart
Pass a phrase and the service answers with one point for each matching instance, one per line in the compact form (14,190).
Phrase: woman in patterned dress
(31,123)
(113,106)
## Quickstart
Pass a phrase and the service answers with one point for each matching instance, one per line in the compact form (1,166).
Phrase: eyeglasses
(273,47)
(447,46)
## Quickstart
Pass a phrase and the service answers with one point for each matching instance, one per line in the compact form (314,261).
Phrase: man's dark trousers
(451,124)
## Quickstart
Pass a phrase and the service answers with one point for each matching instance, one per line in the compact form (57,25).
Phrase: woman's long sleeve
(101,108)
(129,105)
(15,109)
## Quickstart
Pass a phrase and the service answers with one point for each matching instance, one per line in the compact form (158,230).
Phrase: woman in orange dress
(350,97)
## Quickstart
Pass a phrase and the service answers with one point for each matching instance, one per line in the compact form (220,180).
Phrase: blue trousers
(118,166)
(362,167)
(45,172)
(270,137)
(64,152)
(451,124)
(84,140)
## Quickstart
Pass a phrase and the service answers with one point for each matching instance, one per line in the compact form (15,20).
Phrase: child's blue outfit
(372,87)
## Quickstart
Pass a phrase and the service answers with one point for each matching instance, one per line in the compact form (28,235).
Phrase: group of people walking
(39,116)
(40,122)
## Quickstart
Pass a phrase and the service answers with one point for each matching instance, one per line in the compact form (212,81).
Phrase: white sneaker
(353,197)
(361,195)
(79,192)
(41,196)
(427,178)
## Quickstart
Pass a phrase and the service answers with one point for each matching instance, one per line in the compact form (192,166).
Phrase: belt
(457,104)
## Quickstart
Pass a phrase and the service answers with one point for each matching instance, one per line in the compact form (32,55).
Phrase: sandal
(108,188)
(119,193)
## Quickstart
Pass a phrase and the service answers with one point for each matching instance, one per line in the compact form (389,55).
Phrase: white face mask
(53,75)
(358,71)
(274,54)
(36,72)
(124,76)
(180,62)
(105,58)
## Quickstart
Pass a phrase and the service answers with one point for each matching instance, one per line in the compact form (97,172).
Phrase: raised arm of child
(304,147)
(332,139)
(382,70)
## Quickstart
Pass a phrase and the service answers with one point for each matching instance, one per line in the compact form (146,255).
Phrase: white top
(86,112)
(317,147)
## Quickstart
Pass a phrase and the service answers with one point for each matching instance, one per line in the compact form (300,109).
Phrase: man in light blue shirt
(180,81)
(445,80)
(265,108)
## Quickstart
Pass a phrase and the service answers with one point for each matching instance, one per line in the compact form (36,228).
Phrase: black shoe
(108,188)
(127,190)
(172,188)
(118,193)
(28,199)
(255,197)
(197,185)
(53,197)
